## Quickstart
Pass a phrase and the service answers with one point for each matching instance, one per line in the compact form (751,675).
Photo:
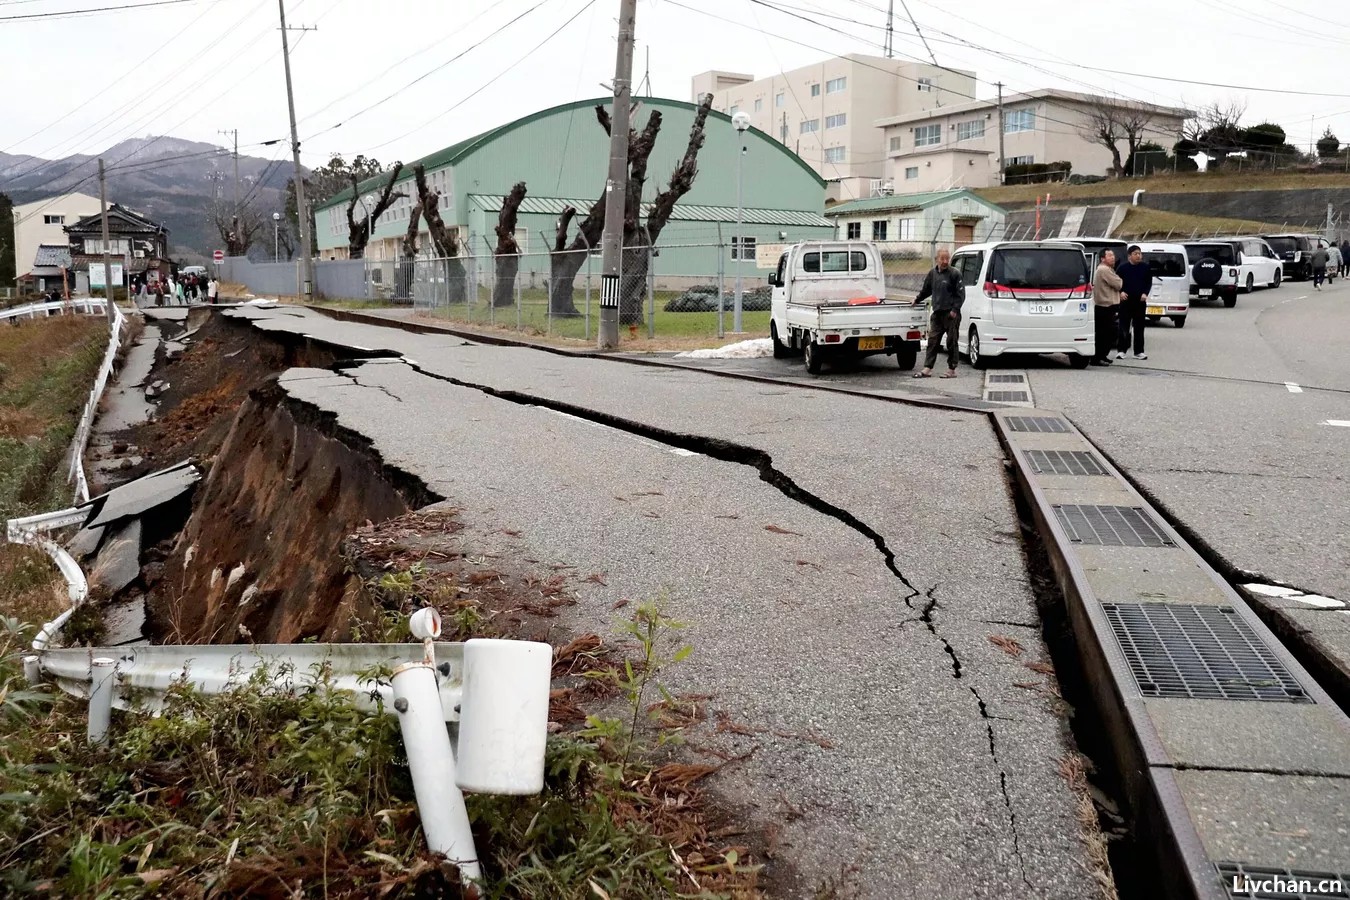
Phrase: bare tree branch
(358,230)
(683,177)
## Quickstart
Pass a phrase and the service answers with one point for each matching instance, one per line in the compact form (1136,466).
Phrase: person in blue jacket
(1136,282)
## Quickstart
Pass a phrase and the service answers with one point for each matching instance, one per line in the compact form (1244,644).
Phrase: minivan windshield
(1039,267)
(1165,264)
(1222,253)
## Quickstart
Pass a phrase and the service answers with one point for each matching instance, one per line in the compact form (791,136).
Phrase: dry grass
(1182,183)
(1156,224)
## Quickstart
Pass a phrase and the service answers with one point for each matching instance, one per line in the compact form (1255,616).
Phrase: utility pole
(237,213)
(890,31)
(616,186)
(1001,165)
(306,257)
(107,259)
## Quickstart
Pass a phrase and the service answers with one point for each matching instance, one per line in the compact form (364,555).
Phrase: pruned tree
(237,232)
(1216,129)
(445,240)
(1110,123)
(1328,145)
(408,254)
(507,254)
(359,228)
(639,237)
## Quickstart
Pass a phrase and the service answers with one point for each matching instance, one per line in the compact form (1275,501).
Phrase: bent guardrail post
(503,719)
(431,762)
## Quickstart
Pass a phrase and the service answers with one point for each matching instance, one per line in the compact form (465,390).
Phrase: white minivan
(1026,297)
(1171,293)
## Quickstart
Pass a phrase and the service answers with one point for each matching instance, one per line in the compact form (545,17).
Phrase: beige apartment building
(827,113)
(957,146)
(43,223)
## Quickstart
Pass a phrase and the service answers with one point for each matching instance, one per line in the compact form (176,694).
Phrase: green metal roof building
(562,155)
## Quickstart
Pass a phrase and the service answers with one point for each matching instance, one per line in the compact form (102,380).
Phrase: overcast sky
(190,69)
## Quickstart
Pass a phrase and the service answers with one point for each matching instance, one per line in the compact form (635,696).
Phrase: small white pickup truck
(829,302)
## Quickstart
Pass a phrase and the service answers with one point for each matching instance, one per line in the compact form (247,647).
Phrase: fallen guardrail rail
(86,423)
(86,305)
(31,531)
(497,691)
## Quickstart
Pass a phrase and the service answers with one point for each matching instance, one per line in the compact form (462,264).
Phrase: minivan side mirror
(773,280)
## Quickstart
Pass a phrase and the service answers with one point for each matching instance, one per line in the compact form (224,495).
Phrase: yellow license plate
(1155,310)
(871,343)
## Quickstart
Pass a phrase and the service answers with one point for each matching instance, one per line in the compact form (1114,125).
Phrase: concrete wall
(1300,208)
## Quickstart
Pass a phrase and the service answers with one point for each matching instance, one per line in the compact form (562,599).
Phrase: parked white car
(1026,297)
(1171,294)
(829,302)
(1258,263)
(1213,270)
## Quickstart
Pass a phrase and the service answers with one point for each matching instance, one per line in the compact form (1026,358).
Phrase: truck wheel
(1279,277)
(812,358)
(907,356)
(1180,321)
(780,350)
(1230,301)
(1251,282)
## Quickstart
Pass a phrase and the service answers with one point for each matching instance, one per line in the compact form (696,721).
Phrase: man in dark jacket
(948,291)
(1345,258)
(1136,282)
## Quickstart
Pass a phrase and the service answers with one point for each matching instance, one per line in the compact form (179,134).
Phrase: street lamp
(276,237)
(740,121)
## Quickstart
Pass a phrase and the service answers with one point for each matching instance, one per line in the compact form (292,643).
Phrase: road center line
(1339,423)
(1293,388)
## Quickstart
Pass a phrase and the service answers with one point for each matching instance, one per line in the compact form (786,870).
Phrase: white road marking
(1339,423)
(1293,388)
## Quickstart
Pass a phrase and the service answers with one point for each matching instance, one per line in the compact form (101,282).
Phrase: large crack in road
(762,462)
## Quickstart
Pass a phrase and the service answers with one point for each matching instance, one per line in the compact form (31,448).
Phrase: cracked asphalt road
(895,748)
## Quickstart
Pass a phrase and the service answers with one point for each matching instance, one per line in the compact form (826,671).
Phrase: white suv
(1026,297)
(1171,293)
(1213,269)
(1258,263)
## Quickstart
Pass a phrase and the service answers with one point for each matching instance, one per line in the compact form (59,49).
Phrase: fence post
(588,286)
(519,312)
(431,762)
(721,286)
(651,293)
(100,699)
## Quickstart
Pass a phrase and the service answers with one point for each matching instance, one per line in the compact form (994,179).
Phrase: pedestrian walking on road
(1335,263)
(948,291)
(1320,258)
(212,289)
(159,292)
(1105,307)
(1136,282)
(1345,258)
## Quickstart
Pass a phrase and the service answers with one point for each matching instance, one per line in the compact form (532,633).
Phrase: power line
(70,13)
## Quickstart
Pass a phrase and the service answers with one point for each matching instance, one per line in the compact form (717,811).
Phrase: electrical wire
(72,13)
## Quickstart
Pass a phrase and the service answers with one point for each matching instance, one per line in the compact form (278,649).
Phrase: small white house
(919,222)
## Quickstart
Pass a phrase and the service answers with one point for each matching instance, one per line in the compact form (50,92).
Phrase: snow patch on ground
(751,349)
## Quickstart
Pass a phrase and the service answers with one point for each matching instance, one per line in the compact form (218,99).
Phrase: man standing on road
(1105,305)
(1319,266)
(1345,258)
(948,291)
(1136,281)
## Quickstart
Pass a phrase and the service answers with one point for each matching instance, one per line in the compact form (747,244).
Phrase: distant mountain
(172,181)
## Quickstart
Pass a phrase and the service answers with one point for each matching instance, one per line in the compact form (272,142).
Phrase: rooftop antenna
(647,74)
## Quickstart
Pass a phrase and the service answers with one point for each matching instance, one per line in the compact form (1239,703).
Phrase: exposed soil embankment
(260,558)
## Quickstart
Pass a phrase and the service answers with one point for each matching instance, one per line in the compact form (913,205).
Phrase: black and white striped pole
(616,187)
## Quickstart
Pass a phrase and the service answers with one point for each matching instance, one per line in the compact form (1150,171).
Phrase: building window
(836,85)
(834,154)
(838,121)
(896,144)
(1019,120)
(927,135)
(926,85)
(733,110)
(911,172)
(966,131)
(743,248)
(815,90)
(810,126)
(1021,160)
(779,100)
(879,230)
(907,229)
(759,104)
(53,220)
(854,231)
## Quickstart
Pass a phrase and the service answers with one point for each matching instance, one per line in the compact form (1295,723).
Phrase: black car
(1295,252)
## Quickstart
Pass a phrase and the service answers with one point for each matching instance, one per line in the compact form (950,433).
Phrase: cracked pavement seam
(763,463)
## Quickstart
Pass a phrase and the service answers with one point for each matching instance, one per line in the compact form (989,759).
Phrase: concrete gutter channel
(1233,758)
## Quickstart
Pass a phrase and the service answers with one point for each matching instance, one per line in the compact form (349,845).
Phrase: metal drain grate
(1006,379)
(1271,882)
(1111,526)
(1199,652)
(1007,396)
(1065,462)
(1045,424)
